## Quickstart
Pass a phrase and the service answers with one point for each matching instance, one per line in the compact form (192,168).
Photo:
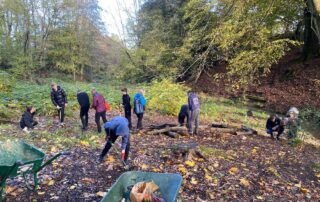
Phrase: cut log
(161,126)
(244,133)
(224,125)
(172,129)
(248,129)
(219,125)
(223,130)
(172,134)
(256,98)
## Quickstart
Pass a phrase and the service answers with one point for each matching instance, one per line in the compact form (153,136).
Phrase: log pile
(174,131)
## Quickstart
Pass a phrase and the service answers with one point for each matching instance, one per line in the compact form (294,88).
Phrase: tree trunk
(312,30)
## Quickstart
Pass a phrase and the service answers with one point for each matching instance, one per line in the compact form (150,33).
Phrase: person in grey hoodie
(194,107)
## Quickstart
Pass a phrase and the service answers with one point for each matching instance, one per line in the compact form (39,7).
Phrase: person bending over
(118,126)
(183,114)
(27,120)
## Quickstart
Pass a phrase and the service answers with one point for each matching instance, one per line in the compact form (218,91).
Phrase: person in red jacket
(99,105)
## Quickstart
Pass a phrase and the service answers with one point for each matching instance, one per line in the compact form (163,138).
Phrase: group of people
(276,125)
(118,126)
(191,113)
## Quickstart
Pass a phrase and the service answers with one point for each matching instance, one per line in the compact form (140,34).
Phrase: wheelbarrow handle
(51,160)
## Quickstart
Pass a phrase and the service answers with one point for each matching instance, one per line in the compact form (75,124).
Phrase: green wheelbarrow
(20,158)
(169,185)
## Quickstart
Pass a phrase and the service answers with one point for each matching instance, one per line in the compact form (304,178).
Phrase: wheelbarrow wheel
(28,177)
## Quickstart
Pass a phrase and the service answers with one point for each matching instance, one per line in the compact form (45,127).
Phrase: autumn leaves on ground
(232,168)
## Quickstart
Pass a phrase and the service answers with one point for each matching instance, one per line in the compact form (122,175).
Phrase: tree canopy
(185,38)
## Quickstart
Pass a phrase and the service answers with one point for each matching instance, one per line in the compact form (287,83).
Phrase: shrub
(166,97)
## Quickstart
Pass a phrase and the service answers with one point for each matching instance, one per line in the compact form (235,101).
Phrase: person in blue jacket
(139,107)
(118,126)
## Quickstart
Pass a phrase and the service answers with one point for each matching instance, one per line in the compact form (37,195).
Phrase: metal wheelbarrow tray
(17,154)
(168,183)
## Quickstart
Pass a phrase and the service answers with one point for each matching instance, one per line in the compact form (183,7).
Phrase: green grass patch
(295,142)
(210,151)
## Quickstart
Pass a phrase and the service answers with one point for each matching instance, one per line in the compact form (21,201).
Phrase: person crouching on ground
(27,121)
(293,123)
(118,126)
(183,114)
(83,100)
(139,107)
(98,104)
(274,125)
(194,107)
(126,105)
(59,99)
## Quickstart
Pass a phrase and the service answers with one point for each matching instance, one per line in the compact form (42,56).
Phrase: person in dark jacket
(183,114)
(27,121)
(59,100)
(126,105)
(83,100)
(139,107)
(194,107)
(118,126)
(98,104)
(274,125)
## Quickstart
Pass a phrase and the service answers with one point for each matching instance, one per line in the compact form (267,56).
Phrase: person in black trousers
(183,114)
(126,105)
(99,104)
(59,100)
(27,121)
(83,100)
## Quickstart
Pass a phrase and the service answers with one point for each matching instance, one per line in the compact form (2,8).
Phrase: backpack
(138,106)
(107,106)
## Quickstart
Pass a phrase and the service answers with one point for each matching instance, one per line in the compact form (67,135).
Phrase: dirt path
(245,168)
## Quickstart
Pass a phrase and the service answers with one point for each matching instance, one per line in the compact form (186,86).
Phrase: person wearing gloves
(59,100)
(118,126)
(27,121)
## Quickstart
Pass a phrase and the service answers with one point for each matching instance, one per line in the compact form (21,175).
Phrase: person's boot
(100,159)
(25,129)
(83,121)
(272,137)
